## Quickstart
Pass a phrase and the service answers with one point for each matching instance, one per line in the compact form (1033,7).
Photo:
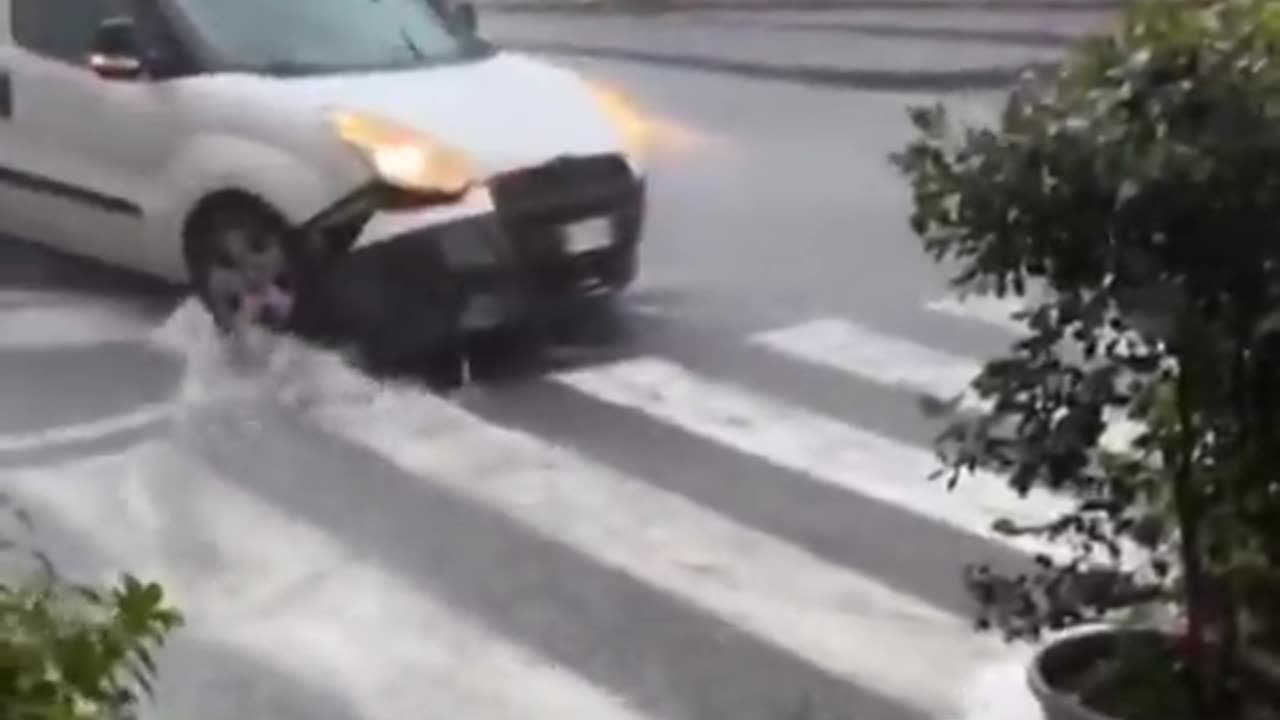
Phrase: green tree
(1139,185)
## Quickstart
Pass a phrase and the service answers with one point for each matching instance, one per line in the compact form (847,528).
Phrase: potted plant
(1137,184)
(71,651)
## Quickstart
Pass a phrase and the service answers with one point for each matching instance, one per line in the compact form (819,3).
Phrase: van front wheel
(242,268)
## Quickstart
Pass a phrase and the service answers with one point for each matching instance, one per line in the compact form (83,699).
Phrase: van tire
(244,265)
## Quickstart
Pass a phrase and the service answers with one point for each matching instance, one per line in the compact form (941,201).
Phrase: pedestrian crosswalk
(420,558)
(755,581)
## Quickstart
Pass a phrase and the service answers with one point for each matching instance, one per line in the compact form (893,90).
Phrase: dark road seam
(646,7)
(982,78)
(34,182)
(1017,38)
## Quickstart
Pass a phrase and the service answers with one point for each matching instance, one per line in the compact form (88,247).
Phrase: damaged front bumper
(552,234)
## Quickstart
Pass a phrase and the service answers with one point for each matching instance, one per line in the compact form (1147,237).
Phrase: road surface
(706,503)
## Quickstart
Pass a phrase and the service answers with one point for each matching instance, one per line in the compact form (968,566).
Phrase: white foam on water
(259,366)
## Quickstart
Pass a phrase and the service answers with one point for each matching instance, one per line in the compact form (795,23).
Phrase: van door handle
(6,94)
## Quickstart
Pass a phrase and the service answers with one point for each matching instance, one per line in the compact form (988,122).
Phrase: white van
(191,139)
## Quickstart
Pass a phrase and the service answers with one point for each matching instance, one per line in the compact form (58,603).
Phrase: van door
(25,198)
(95,149)
(65,201)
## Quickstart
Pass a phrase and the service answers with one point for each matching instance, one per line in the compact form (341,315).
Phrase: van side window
(60,29)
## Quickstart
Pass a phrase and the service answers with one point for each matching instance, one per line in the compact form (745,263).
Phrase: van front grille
(565,190)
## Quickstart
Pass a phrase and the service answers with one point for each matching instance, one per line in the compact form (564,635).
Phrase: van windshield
(320,36)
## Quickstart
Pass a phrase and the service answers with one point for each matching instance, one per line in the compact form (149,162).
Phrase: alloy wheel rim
(250,282)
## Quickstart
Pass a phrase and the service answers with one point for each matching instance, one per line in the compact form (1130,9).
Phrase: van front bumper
(498,268)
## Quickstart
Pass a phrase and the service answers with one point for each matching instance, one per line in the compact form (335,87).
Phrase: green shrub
(71,651)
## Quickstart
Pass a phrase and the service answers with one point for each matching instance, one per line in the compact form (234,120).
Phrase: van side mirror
(464,14)
(116,53)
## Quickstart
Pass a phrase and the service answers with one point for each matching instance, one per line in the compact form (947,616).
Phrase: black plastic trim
(565,190)
(75,193)
(6,95)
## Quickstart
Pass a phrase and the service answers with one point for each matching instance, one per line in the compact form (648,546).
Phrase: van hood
(506,110)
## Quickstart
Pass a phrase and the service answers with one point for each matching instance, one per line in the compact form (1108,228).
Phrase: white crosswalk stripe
(988,309)
(849,347)
(817,446)
(291,594)
(133,420)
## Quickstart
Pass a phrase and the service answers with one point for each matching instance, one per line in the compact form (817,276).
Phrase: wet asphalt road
(778,205)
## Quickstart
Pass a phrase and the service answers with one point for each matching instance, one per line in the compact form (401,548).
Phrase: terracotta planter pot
(1070,656)
(1067,657)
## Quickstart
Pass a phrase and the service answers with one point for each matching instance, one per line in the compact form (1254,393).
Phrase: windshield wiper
(413,47)
(287,68)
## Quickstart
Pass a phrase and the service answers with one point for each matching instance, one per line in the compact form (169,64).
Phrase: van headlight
(406,158)
(629,122)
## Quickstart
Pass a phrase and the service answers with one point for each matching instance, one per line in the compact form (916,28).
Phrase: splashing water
(257,366)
